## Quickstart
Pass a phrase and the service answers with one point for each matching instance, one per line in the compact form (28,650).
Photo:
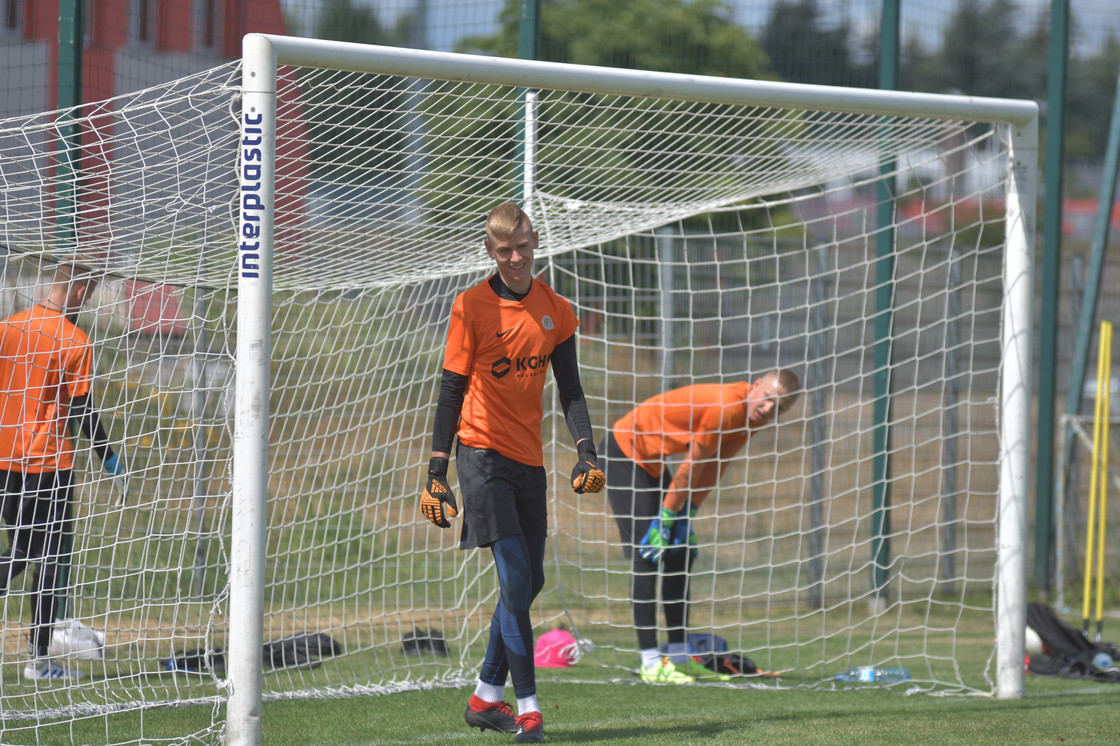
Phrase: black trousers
(36,508)
(635,497)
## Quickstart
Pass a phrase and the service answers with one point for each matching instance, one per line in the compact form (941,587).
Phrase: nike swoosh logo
(502,334)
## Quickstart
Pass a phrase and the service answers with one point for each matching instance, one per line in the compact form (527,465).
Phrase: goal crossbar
(286,50)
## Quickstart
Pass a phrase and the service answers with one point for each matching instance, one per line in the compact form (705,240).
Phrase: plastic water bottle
(874,675)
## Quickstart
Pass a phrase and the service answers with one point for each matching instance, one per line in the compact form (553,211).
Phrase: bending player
(710,424)
(504,333)
(45,371)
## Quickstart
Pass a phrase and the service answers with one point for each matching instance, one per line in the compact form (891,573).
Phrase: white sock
(527,704)
(489,692)
(677,652)
(651,657)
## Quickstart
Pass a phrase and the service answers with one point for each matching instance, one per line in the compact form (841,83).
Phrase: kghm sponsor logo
(500,367)
(530,365)
(252,204)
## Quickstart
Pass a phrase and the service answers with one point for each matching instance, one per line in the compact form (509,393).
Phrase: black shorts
(634,495)
(501,497)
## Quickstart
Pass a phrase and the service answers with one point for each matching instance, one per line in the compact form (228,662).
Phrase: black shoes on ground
(493,715)
(419,642)
(530,728)
(499,716)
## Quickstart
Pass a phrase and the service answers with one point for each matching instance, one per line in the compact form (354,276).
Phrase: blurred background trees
(975,47)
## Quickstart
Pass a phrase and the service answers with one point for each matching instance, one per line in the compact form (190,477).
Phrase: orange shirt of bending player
(505,346)
(715,415)
(45,362)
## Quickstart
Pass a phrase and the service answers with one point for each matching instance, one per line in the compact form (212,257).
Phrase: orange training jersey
(45,362)
(713,414)
(504,346)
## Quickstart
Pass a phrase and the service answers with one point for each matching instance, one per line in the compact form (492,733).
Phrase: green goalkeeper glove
(659,537)
(683,532)
(437,504)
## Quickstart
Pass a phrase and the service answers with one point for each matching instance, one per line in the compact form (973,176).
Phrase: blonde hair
(505,220)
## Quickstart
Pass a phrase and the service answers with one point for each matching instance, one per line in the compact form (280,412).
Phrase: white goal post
(262,56)
(282,239)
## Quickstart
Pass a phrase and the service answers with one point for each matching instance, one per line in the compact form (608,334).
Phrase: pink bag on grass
(556,649)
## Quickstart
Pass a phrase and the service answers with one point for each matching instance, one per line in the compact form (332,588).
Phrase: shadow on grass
(674,732)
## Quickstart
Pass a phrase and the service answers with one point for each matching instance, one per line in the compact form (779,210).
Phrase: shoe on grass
(45,668)
(493,715)
(530,728)
(701,672)
(665,673)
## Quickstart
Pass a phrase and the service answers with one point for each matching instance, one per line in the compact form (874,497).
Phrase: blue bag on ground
(712,652)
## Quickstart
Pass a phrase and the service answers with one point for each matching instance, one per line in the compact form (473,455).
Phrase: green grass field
(599,700)
(1052,712)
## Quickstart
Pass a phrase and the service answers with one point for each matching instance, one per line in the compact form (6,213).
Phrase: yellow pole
(1105,395)
(1094,470)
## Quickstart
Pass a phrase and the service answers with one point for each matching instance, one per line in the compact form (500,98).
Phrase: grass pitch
(1054,711)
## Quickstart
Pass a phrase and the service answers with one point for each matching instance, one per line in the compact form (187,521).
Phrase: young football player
(504,335)
(710,424)
(45,372)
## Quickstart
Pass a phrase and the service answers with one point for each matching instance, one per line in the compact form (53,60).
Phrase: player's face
(514,257)
(763,400)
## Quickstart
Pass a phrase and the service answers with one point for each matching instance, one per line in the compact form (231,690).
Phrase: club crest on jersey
(547,323)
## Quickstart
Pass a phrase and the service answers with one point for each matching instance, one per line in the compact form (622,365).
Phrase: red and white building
(129,44)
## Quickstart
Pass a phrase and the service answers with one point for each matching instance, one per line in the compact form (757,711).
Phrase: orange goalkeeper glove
(587,476)
(437,504)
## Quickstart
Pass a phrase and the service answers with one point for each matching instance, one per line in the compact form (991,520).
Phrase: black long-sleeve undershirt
(452,388)
(81,407)
(565,369)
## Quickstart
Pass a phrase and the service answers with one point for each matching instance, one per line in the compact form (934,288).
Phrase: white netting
(697,242)
(411,165)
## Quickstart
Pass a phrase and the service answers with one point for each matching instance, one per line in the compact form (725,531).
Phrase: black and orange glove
(587,476)
(437,504)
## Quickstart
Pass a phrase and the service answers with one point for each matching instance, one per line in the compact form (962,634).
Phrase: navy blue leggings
(520,564)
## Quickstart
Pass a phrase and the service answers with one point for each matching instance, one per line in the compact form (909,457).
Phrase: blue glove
(114,466)
(683,532)
(659,537)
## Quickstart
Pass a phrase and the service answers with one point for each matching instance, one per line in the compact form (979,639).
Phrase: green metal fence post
(1050,284)
(884,300)
(71,32)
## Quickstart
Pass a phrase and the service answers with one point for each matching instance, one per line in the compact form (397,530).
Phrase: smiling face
(513,253)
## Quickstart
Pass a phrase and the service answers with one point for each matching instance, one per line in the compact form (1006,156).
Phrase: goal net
(280,264)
